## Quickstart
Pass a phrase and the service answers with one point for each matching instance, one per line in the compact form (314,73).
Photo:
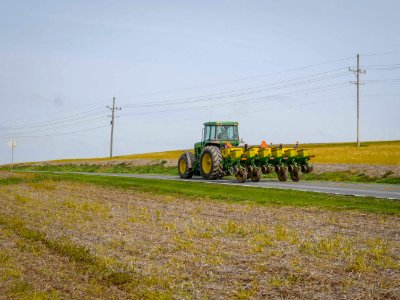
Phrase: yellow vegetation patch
(384,153)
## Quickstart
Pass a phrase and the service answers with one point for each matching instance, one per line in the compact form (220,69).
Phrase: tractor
(221,153)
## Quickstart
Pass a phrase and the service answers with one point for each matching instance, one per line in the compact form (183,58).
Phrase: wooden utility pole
(113,109)
(357,83)
(12,144)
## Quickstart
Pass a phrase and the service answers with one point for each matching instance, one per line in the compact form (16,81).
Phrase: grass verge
(160,168)
(349,176)
(346,176)
(262,196)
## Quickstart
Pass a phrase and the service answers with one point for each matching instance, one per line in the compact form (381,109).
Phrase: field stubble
(53,233)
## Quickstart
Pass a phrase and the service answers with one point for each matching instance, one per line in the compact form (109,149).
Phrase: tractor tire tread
(216,156)
(189,171)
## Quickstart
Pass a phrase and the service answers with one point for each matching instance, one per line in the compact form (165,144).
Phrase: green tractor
(219,155)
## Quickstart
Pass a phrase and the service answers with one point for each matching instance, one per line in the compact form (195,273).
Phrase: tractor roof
(224,123)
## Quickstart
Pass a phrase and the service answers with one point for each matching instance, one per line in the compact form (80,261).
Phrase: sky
(280,68)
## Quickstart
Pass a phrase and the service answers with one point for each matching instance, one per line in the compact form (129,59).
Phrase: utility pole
(357,83)
(113,109)
(12,144)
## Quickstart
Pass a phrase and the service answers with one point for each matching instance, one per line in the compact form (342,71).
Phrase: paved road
(387,191)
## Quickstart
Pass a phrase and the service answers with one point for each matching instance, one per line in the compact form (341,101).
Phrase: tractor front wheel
(185,165)
(210,163)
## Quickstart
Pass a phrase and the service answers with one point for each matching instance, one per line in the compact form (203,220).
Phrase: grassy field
(77,237)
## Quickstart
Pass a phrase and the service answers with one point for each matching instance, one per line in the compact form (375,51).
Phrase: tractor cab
(218,134)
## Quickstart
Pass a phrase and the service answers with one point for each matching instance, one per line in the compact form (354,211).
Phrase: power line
(91,112)
(382,53)
(239,79)
(382,80)
(385,69)
(55,134)
(254,111)
(382,95)
(236,93)
(56,113)
(219,83)
(387,65)
(298,81)
(51,125)
(253,100)
(85,115)
(193,87)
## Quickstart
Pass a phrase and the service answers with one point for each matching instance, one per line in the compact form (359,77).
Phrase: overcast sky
(280,68)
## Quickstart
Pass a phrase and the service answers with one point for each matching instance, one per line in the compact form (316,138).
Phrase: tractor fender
(189,161)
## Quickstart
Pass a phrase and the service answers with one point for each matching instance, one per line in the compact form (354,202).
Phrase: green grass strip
(93,168)
(262,196)
(336,176)
(10,180)
(347,176)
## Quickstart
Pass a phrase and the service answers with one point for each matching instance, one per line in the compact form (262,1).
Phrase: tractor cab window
(229,133)
(221,132)
(209,133)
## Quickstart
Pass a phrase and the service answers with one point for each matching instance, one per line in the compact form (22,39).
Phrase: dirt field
(71,240)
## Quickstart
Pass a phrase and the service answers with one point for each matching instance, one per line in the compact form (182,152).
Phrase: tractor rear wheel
(255,175)
(184,161)
(210,163)
(283,174)
(295,174)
